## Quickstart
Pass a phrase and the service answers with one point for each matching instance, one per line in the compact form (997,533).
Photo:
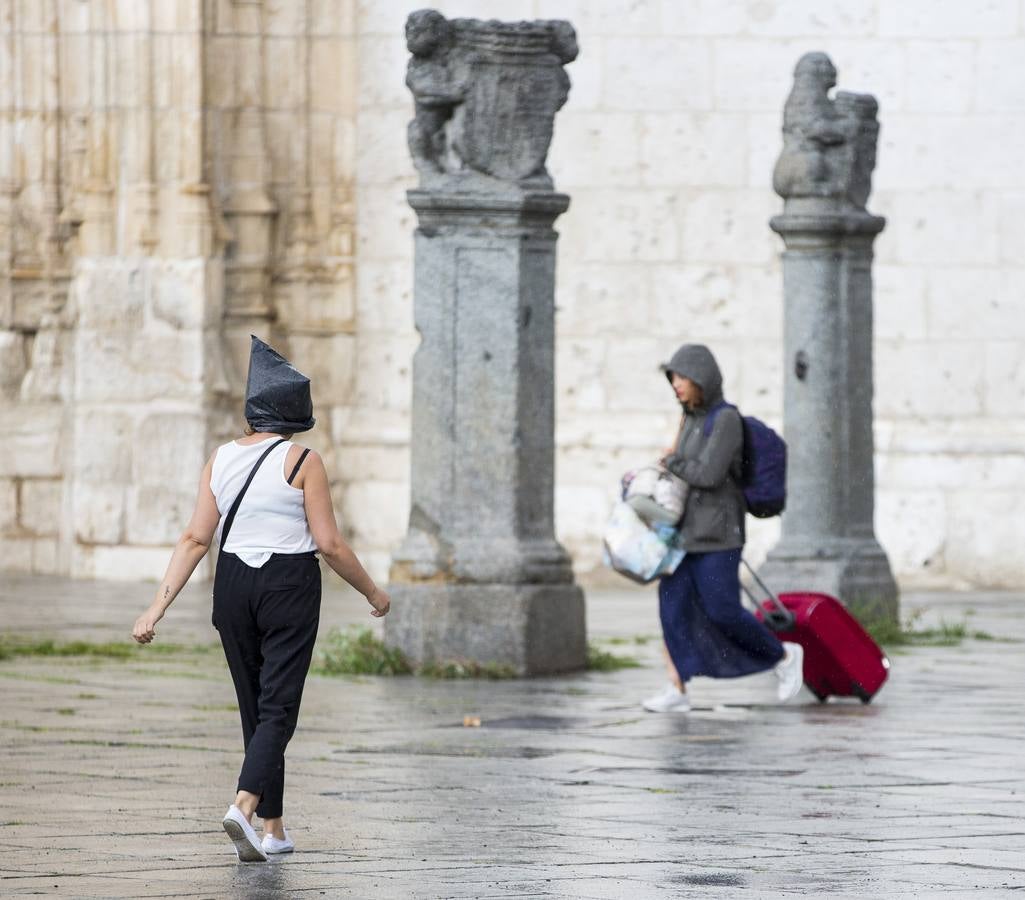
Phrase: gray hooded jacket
(713,518)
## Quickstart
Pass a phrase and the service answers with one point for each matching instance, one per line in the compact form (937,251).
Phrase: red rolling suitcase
(840,658)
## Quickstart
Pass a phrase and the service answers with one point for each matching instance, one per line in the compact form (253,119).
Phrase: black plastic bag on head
(277,393)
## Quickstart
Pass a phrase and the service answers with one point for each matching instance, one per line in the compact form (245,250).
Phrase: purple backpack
(764,475)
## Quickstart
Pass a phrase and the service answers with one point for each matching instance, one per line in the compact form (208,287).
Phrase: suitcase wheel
(820,697)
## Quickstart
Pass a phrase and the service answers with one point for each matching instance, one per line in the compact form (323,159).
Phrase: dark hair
(248,431)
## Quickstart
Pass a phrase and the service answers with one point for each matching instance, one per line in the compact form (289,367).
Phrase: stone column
(824,174)
(480,575)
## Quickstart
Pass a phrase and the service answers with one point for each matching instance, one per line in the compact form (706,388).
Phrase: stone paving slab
(115,773)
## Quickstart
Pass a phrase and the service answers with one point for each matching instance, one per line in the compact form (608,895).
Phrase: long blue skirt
(706,629)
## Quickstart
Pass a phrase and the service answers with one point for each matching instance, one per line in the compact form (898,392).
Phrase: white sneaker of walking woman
(272,844)
(247,844)
(670,699)
(790,672)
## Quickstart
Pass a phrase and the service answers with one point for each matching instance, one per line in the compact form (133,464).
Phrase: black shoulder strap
(298,465)
(230,517)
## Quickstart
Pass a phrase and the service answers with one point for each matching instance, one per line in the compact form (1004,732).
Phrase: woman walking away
(706,629)
(268,499)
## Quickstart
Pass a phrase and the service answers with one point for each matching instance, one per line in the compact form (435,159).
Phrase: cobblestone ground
(115,773)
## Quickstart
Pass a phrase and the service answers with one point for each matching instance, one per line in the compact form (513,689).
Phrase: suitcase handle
(778,619)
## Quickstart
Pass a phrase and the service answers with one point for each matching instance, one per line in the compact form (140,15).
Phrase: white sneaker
(670,699)
(272,844)
(790,672)
(247,844)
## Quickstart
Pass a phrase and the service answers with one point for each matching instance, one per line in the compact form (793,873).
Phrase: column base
(858,575)
(534,629)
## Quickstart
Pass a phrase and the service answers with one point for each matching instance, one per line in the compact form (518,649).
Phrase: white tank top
(272,517)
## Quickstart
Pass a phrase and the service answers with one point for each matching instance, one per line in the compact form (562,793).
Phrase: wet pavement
(115,773)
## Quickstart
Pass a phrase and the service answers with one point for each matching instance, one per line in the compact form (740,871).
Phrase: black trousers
(267,619)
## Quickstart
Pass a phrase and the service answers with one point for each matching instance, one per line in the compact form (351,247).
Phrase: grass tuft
(907,634)
(599,660)
(15,645)
(358,652)
(462,668)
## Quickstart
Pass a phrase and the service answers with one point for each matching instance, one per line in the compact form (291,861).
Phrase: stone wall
(174,175)
(667,146)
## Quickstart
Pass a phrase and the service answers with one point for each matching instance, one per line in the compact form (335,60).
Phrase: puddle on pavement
(476,752)
(711,879)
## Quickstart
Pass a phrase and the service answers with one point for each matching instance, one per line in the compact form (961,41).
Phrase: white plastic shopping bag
(634,549)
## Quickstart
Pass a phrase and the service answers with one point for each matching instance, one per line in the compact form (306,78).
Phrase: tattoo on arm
(167,590)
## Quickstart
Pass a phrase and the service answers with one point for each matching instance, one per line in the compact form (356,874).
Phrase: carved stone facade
(173,176)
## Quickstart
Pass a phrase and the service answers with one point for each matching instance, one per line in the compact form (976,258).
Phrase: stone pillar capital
(810,225)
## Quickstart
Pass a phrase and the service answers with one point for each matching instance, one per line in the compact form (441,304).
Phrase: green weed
(907,634)
(459,668)
(358,652)
(599,660)
(12,646)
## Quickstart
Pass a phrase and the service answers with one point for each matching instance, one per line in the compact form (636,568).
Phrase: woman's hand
(380,601)
(145,626)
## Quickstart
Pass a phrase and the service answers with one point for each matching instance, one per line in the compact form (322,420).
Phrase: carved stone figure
(828,144)
(485,96)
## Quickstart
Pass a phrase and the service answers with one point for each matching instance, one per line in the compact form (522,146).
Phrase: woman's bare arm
(338,555)
(192,546)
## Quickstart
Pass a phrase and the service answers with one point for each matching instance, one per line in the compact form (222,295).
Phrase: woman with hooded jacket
(268,502)
(707,630)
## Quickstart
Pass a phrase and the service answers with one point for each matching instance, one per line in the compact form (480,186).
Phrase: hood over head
(277,393)
(695,361)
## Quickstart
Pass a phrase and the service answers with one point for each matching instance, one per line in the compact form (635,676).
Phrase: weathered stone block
(155,514)
(622,226)
(580,371)
(618,136)
(46,556)
(951,215)
(924,19)
(985,544)
(1004,380)
(943,369)
(32,445)
(384,297)
(169,449)
(912,526)
(589,298)
(670,64)
(705,149)
(533,629)
(383,371)
(722,226)
(103,453)
(16,555)
(136,564)
(8,504)
(99,512)
(41,507)
(940,75)
(375,512)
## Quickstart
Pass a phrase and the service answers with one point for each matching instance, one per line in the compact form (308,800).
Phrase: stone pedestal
(828,542)
(480,575)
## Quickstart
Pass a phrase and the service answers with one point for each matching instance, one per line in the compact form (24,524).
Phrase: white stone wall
(666,147)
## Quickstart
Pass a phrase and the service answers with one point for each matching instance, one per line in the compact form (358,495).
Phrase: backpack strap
(229,519)
(706,429)
(298,465)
